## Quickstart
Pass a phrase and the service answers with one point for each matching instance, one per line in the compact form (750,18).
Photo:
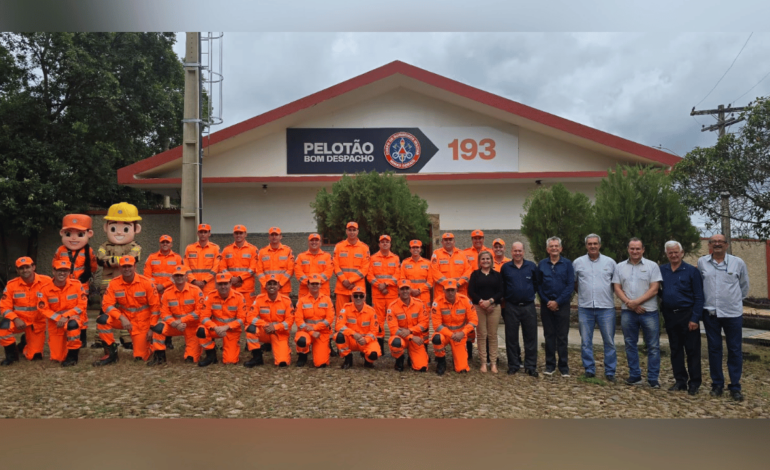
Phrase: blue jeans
(649,323)
(733,328)
(605,317)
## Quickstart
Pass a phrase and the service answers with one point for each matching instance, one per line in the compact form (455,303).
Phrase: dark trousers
(684,342)
(526,316)
(556,331)
(733,328)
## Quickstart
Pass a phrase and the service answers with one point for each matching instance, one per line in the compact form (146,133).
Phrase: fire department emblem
(402,150)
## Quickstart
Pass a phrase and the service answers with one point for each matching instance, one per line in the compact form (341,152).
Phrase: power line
(728,69)
(755,85)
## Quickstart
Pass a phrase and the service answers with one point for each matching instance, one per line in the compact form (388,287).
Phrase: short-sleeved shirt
(594,281)
(725,285)
(635,280)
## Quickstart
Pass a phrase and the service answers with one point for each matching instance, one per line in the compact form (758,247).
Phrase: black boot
(22,343)
(348,362)
(301,359)
(256,359)
(37,357)
(72,357)
(267,347)
(126,343)
(469,347)
(158,358)
(211,358)
(189,360)
(400,364)
(333,351)
(381,342)
(83,338)
(11,355)
(169,344)
(426,350)
(440,365)
(110,355)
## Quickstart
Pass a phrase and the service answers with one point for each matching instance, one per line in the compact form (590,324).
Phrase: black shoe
(440,365)
(469,347)
(11,355)
(256,359)
(532,373)
(369,365)
(692,391)
(654,384)
(322,366)
(348,362)
(189,360)
(634,381)
(513,371)
(736,395)
(37,357)
(400,364)
(211,358)
(548,372)
(158,358)
(677,387)
(610,378)
(716,390)
(72,358)
(267,347)
(169,344)
(381,342)
(301,359)
(22,343)
(589,375)
(283,364)
(110,356)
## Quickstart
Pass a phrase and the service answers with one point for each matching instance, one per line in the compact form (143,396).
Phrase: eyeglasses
(358,296)
(315,284)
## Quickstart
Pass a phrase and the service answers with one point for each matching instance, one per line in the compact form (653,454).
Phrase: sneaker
(610,378)
(716,391)
(692,391)
(677,387)
(549,372)
(532,373)
(565,374)
(736,395)
(634,381)
(654,384)
(589,375)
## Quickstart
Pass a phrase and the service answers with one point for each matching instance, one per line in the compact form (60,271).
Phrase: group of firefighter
(209,294)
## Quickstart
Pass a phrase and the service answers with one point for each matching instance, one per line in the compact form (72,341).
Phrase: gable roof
(130,175)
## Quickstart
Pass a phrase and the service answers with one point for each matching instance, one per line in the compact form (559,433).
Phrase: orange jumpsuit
(159,267)
(278,261)
(78,269)
(413,317)
(203,263)
(184,305)
(383,270)
(20,300)
(449,319)
(319,314)
(443,266)
(350,321)
(308,263)
(472,255)
(278,313)
(70,302)
(419,277)
(139,301)
(219,312)
(351,262)
(499,265)
(241,262)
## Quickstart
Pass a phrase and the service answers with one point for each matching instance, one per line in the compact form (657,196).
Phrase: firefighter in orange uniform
(130,303)
(269,322)
(240,260)
(351,265)
(180,310)
(277,259)
(449,263)
(65,302)
(357,330)
(159,267)
(223,316)
(384,271)
(202,257)
(76,231)
(20,307)
(454,317)
(408,325)
(313,261)
(498,249)
(416,270)
(314,317)
(472,255)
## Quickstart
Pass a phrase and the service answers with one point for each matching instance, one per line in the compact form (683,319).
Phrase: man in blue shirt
(681,304)
(555,294)
(520,283)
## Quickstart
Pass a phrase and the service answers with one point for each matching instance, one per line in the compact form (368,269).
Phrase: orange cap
(24,260)
(274,230)
(498,240)
(180,270)
(271,278)
(352,224)
(477,233)
(447,235)
(127,260)
(224,276)
(240,228)
(384,237)
(358,289)
(62,263)
(417,243)
(77,221)
(404,283)
(204,227)
(314,236)
(449,284)
(315,278)
(166,238)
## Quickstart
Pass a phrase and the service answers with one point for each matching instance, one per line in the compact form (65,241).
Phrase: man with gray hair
(555,292)
(681,293)
(593,283)
(637,281)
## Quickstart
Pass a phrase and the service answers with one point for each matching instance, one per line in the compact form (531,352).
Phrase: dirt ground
(130,389)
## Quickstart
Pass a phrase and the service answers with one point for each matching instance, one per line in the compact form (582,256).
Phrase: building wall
(754,254)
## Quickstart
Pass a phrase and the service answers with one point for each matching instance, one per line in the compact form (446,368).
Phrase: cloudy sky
(640,86)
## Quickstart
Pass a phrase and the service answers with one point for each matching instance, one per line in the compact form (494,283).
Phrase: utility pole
(191,122)
(720,126)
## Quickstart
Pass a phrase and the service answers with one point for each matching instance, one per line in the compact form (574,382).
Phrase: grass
(591,380)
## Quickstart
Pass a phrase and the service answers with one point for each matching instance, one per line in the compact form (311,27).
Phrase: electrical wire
(755,85)
(728,69)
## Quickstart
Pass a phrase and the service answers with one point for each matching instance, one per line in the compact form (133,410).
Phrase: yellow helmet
(123,212)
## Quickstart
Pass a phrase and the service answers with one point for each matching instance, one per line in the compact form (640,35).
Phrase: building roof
(394,74)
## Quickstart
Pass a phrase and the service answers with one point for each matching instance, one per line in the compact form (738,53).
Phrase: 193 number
(468,149)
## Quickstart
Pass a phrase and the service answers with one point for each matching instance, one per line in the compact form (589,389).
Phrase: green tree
(75,107)
(380,203)
(738,165)
(641,202)
(556,211)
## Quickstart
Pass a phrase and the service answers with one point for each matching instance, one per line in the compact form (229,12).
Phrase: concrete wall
(754,254)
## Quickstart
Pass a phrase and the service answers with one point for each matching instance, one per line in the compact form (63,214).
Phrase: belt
(522,304)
